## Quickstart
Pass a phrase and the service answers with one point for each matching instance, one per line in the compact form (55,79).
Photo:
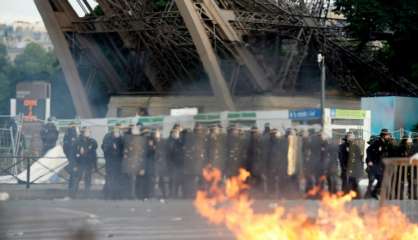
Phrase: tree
(394,23)
(35,63)
(6,83)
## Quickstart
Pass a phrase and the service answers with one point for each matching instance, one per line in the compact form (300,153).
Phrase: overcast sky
(12,10)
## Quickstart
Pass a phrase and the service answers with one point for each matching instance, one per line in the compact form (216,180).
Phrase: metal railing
(400,180)
(58,171)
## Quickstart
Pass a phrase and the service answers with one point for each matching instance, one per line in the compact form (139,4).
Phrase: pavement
(122,220)
(43,191)
(44,212)
(98,219)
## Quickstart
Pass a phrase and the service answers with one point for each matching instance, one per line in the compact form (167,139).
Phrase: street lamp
(321,63)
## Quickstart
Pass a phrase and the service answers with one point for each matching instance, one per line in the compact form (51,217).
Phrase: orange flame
(228,204)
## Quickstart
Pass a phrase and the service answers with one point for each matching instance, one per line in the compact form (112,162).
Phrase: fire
(227,203)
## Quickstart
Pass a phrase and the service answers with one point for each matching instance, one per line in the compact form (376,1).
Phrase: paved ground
(60,219)
(121,220)
(34,214)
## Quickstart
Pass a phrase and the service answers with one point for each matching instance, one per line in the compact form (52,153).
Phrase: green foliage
(364,16)
(159,5)
(98,11)
(393,22)
(35,63)
(5,81)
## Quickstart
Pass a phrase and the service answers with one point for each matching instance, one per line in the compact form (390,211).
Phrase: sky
(12,10)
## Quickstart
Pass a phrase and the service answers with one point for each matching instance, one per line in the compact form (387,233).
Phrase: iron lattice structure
(231,47)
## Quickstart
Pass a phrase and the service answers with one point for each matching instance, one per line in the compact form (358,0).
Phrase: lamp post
(321,63)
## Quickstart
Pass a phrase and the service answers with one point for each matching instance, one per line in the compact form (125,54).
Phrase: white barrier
(43,170)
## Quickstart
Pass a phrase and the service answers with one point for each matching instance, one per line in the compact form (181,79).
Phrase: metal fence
(400,181)
(36,169)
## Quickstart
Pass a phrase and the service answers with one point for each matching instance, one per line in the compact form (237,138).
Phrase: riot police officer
(112,147)
(372,169)
(234,151)
(69,147)
(175,162)
(133,162)
(253,161)
(294,156)
(49,135)
(351,154)
(194,156)
(86,161)
(332,165)
(215,148)
(150,164)
(313,164)
(261,167)
(276,167)
(162,177)
(377,151)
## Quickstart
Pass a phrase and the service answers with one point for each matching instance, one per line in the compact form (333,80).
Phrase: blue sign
(305,114)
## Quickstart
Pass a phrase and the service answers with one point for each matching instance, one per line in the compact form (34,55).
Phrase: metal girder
(257,73)
(100,60)
(190,36)
(206,53)
(62,51)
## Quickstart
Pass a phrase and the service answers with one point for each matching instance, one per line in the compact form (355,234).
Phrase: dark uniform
(234,151)
(376,152)
(351,154)
(150,163)
(162,176)
(293,151)
(313,165)
(49,136)
(112,147)
(175,162)
(276,166)
(332,167)
(69,147)
(86,162)
(261,167)
(133,163)
(215,149)
(194,159)
(253,161)
(306,156)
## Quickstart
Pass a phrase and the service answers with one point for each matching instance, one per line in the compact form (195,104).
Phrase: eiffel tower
(222,47)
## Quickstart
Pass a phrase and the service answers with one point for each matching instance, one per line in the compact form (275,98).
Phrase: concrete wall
(392,113)
(129,105)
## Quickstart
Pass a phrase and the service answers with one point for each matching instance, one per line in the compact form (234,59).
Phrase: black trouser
(176,183)
(273,185)
(372,176)
(379,170)
(71,172)
(113,178)
(352,185)
(332,183)
(191,184)
(344,181)
(46,147)
(137,187)
(312,181)
(163,184)
(80,173)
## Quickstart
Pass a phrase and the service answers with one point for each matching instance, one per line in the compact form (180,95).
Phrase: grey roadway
(97,219)
(121,220)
